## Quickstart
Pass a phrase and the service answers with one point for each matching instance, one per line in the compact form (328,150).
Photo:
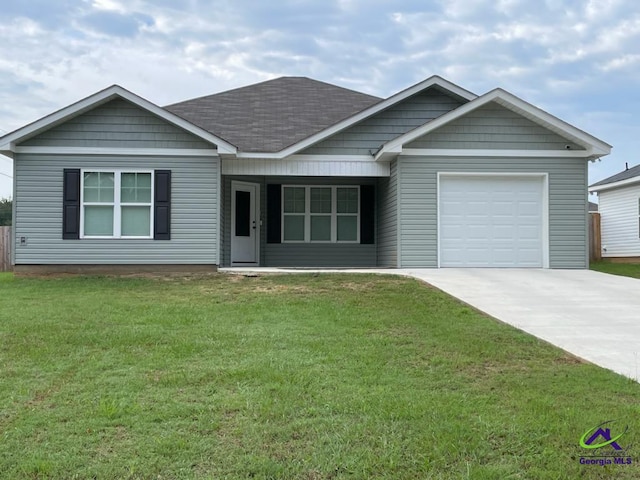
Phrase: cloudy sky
(577,59)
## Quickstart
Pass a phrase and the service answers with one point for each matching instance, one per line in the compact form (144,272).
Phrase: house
(619,207)
(297,172)
(593,207)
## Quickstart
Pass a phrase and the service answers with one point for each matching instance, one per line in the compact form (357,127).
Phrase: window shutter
(367,214)
(71,204)
(162,205)
(274,213)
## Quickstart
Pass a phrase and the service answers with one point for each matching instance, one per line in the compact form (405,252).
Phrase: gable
(117,123)
(493,126)
(368,135)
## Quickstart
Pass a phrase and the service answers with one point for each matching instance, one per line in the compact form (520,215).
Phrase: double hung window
(116,204)
(321,214)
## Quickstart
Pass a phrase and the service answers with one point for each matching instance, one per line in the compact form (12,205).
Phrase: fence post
(5,249)
(595,245)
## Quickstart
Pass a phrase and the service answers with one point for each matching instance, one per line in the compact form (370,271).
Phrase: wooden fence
(5,249)
(595,244)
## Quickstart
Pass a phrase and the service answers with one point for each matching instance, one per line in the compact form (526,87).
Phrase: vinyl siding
(619,217)
(371,133)
(296,254)
(417,176)
(493,127)
(387,206)
(118,124)
(194,230)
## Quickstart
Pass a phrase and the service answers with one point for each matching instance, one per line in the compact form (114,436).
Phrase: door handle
(253,224)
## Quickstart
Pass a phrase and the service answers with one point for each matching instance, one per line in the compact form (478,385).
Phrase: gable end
(495,127)
(117,124)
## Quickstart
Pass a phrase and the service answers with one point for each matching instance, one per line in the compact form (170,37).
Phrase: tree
(6,207)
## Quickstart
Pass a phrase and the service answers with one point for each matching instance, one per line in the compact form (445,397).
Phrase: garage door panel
(491,221)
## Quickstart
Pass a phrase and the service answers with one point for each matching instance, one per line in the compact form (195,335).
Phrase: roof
(594,147)
(272,115)
(625,176)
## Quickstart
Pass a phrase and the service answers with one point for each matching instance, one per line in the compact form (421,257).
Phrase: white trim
(116,204)
(308,214)
(154,152)
(434,81)
(473,152)
(306,167)
(306,157)
(8,141)
(595,147)
(545,203)
(234,185)
(398,216)
(621,183)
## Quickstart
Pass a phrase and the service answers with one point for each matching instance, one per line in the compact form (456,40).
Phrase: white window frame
(334,214)
(116,204)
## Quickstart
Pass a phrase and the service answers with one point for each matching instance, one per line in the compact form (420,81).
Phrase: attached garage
(492,220)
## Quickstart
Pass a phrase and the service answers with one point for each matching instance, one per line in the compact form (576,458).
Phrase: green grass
(288,377)
(624,269)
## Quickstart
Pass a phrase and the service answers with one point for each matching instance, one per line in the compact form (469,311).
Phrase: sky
(578,60)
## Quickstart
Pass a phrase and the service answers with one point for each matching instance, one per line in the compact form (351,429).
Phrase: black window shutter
(367,214)
(274,213)
(162,205)
(71,204)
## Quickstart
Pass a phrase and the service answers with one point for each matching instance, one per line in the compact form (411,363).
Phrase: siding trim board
(484,153)
(154,152)
(321,166)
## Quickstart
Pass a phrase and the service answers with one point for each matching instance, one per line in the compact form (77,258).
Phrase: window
(116,204)
(320,214)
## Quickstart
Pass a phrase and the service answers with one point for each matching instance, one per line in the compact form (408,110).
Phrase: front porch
(309,222)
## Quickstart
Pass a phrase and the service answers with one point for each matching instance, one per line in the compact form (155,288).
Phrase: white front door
(245,223)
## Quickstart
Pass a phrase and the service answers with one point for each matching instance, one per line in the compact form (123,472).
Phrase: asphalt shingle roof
(272,115)
(624,175)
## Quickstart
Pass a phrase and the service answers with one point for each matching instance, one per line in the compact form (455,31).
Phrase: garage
(492,220)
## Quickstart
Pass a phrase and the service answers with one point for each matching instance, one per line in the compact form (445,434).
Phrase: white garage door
(491,221)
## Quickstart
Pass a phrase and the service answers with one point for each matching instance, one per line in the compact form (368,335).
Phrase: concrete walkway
(592,315)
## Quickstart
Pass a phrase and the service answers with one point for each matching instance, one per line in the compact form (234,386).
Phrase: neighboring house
(593,207)
(296,172)
(619,207)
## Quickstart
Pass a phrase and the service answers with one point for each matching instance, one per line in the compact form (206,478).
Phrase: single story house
(619,208)
(294,172)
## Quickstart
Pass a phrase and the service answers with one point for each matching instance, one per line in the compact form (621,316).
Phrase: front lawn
(289,377)
(624,269)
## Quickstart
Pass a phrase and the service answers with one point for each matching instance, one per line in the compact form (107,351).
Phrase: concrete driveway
(592,315)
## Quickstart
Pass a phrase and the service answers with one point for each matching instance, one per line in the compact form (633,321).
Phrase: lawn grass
(623,269)
(288,377)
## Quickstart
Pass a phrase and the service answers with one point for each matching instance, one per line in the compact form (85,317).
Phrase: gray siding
(387,226)
(493,127)
(194,229)
(568,240)
(296,254)
(371,133)
(120,124)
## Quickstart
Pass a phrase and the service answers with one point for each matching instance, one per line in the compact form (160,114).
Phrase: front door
(245,223)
